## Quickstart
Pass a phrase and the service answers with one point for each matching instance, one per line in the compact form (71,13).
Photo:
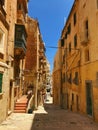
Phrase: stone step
(20,105)
(19,111)
(20,108)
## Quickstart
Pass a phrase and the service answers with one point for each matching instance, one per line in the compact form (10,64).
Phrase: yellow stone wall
(7,25)
(56,87)
(76,60)
(4,95)
(57,77)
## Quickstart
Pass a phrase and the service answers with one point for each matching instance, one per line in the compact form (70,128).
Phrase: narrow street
(49,117)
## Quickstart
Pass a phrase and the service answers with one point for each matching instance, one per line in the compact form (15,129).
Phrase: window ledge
(1,94)
(4,64)
(87,62)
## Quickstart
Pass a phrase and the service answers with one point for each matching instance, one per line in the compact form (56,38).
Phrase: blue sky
(51,15)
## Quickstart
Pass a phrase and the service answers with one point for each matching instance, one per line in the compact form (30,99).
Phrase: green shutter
(1,82)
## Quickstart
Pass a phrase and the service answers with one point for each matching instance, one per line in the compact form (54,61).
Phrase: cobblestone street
(48,118)
(59,119)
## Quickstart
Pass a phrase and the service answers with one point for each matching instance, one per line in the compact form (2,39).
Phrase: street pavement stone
(48,117)
(58,119)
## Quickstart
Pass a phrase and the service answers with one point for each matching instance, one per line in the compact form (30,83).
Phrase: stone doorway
(89,98)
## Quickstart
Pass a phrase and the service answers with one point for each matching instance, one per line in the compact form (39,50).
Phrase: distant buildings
(75,73)
(36,61)
(22,56)
(57,77)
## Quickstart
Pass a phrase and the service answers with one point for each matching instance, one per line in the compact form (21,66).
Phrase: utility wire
(55,47)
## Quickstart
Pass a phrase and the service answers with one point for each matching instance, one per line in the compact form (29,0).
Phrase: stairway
(21,105)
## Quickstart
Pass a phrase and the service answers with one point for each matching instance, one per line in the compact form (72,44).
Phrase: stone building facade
(48,77)
(6,57)
(31,54)
(22,56)
(20,47)
(35,64)
(57,76)
(10,13)
(80,59)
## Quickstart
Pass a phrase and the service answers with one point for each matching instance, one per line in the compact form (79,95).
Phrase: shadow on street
(54,118)
(46,120)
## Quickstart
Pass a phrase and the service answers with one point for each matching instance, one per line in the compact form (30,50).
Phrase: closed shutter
(1,82)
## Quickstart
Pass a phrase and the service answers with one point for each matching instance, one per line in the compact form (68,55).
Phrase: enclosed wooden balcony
(20,41)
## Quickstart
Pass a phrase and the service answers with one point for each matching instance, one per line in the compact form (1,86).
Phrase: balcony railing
(20,40)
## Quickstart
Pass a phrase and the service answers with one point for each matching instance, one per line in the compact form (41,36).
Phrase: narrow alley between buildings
(49,117)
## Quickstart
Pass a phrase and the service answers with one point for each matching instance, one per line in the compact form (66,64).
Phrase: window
(96,75)
(75,41)
(69,47)
(76,79)
(96,79)
(72,98)
(69,29)
(18,35)
(74,17)
(97,3)
(19,7)
(1,75)
(85,35)
(12,63)
(86,28)
(70,78)
(86,24)
(66,78)
(62,42)
(66,35)
(1,41)
(11,83)
(63,59)
(87,57)
(2,2)
(63,78)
